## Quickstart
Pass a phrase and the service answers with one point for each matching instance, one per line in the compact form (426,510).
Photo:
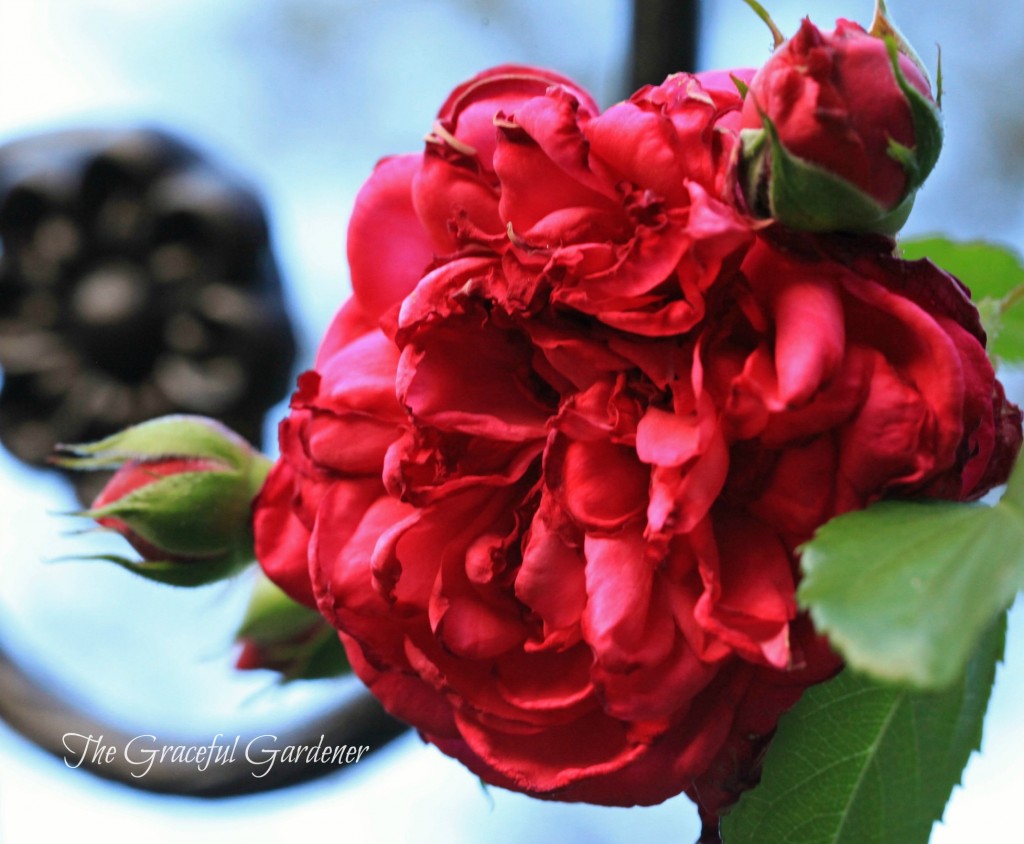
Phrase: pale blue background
(303,96)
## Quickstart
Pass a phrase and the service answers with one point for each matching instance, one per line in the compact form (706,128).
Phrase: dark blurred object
(136,280)
(664,40)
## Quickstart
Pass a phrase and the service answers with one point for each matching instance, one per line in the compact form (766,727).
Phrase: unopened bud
(839,130)
(181,495)
(281,635)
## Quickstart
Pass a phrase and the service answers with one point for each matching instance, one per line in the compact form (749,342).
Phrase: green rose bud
(281,635)
(182,496)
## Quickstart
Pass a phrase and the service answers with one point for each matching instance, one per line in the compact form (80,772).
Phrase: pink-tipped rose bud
(182,497)
(279,634)
(840,129)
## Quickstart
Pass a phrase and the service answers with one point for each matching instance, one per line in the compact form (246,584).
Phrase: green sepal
(762,13)
(905,157)
(170,573)
(166,437)
(807,197)
(322,659)
(317,657)
(754,170)
(741,86)
(882,26)
(926,118)
(187,514)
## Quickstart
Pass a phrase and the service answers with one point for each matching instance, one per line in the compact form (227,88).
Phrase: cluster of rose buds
(601,375)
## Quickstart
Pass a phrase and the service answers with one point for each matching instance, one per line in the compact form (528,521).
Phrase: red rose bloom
(553,505)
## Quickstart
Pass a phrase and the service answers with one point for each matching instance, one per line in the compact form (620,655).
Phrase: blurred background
(299,98)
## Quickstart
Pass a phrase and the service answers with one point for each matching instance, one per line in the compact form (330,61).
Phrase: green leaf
(995,276)
(860,763)
(904,589)
(989,270)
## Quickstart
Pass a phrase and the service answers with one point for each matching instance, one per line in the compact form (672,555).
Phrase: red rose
(836,104)
(553,506)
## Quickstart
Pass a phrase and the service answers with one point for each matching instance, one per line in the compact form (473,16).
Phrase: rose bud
(182,496)
(839,130)
(278,634)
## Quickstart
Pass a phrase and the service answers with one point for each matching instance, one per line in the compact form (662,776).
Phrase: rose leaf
(904,589)
(857,762)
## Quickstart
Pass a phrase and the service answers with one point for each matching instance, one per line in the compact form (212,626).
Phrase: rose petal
(657,690)
(749,590)
(549,681)
(281,537)
(551,580)
(388,248)
(473,105)
(482,393)
(603,484)
(541,761)
(619,621)
(352,519)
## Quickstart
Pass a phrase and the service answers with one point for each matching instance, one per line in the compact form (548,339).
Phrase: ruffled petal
(388,247)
